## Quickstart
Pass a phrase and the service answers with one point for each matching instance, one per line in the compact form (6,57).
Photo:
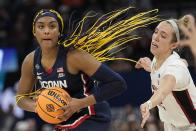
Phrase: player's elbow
(122,84)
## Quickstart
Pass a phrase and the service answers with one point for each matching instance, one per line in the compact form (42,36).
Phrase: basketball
(50,100)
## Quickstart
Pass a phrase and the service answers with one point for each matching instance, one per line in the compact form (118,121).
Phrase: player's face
(161,40)
(47,31)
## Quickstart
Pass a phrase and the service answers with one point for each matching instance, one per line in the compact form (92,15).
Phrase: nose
(46,31)
(156,36)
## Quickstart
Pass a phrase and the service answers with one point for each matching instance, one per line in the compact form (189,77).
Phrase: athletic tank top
(179,107)
(78,86)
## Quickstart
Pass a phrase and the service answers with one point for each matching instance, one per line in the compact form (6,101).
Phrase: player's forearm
(193,50)
(167,83)
(27,104)
(111,84)
(88,101)
(156,99)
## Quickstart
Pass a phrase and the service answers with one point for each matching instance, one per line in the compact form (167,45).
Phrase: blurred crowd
(16,18)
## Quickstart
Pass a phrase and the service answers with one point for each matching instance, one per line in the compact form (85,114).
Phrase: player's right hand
(72,107)
(145,113)
(144,63)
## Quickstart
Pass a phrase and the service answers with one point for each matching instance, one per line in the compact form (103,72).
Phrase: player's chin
(49,44)
(153,51)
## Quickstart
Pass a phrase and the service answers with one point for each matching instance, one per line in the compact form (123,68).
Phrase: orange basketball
(50,100)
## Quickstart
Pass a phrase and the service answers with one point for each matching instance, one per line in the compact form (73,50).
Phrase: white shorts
(170,127)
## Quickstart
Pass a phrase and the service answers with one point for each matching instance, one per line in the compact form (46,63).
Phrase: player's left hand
(72,107)
(189,28)
(145,113)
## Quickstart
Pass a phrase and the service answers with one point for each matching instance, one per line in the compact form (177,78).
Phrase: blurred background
(16,41)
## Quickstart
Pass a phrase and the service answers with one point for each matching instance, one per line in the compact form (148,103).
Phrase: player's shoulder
(77,54)
(175,61)
(178,63)
(29,58)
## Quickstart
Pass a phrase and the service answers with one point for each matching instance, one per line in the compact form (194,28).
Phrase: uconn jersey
(179,107)
(55,77)
(78,86)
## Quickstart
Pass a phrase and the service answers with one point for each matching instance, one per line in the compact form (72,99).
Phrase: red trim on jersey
(191,102)
(86,93)
(49,71)
(79,121)
(74,125)
(181,106)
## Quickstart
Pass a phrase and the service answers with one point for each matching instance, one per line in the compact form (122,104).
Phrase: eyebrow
(163,32)
(40,22)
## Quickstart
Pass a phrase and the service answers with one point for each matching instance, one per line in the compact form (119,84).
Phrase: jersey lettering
(59,83)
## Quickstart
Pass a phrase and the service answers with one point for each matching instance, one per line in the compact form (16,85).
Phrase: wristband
(149,104)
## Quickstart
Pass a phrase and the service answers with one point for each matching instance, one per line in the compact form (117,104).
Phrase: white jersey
(179,107)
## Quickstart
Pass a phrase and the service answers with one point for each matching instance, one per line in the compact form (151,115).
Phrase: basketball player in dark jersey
(52,65)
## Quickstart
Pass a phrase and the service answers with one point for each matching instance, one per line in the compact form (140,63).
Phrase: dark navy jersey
(78,86)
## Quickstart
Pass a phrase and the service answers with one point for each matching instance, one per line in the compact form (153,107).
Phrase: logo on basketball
(56,96)
(50,107)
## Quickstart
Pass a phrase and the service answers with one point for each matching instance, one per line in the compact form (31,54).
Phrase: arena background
(16,41)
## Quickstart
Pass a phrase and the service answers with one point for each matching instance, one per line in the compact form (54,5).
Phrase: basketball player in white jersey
(173,89)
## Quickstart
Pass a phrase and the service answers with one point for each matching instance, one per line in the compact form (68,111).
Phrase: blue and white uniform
(78,86)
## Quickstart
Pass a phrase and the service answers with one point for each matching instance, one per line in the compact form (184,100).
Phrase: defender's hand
(144,63)
(145,113)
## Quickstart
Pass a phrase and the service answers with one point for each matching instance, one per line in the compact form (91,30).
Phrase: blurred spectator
(47,127)
(151,126)
(4,25)
(26,125)
(7,103)
(21,126)
(124,126)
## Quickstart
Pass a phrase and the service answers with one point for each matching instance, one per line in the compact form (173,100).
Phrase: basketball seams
(44,110)
(51,100)
(58,98)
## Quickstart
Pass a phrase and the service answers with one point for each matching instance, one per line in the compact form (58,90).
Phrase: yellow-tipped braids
(31,94)
(106,35)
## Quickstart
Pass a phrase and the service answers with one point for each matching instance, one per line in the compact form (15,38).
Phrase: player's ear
(174,45)
(33,31)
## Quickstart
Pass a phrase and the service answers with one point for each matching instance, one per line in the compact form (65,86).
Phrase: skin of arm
(26,83)
(78,60)
(167,83)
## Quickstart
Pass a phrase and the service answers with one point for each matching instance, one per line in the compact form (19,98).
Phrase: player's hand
(37,93)
(188,27)
(72,107)
(144,63)
(145,113)
(35,97)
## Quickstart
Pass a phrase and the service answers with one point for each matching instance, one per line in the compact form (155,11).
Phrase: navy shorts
(90,125)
